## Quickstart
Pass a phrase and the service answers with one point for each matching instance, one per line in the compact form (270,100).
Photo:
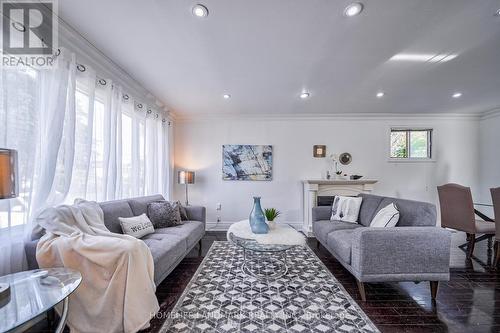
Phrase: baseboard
(224,226)
(218,226)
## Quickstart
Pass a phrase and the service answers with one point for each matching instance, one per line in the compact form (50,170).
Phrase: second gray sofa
(414,250)
(168,245)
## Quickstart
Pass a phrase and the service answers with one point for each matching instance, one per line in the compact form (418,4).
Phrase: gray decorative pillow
(182,210)
(163,214)
(137,226)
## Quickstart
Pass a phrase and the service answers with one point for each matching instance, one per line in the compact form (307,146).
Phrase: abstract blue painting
(247,162)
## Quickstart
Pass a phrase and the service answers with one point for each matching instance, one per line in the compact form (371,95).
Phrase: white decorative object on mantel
(321,187)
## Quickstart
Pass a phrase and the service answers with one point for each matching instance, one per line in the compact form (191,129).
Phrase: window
(411,144)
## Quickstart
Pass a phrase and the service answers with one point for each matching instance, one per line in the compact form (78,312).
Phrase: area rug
(221,298)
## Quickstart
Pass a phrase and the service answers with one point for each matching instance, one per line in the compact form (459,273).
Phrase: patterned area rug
(221,298)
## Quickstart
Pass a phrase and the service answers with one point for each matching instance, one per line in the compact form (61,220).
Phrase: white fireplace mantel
(322,187)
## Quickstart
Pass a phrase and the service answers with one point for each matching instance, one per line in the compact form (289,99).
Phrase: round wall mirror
(345,158)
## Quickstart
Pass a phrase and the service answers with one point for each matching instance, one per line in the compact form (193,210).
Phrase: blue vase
(257,218)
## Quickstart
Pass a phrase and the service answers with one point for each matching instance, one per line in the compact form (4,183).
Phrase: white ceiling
(264,53)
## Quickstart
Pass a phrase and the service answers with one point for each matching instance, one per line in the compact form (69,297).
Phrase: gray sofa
(414,250)
(168,245)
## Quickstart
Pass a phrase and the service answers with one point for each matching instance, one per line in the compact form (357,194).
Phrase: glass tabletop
(34,292)
(253,245)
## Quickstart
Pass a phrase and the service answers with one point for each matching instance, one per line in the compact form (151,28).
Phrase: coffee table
(264,256)
(32,293)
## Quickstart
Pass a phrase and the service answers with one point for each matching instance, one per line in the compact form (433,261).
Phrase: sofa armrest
(196,213)
(30,250)
(400,251)
(321,213)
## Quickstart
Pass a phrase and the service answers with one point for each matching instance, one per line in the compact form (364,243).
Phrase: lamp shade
(185,177)
(8,174)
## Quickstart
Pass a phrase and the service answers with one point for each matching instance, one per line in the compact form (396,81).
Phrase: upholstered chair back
(457,208)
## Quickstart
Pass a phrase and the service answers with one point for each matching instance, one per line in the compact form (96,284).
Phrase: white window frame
(430,144)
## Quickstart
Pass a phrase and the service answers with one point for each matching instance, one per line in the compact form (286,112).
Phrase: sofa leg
(471,238)
(199,248)
(361,288)
(317,244)
(434,289)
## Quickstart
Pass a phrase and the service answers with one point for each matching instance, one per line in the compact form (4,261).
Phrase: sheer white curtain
(37,118)
(77,136)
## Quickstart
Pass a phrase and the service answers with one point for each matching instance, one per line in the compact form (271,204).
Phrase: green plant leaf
(271,213)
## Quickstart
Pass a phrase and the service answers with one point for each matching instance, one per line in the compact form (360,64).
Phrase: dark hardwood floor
(469,302)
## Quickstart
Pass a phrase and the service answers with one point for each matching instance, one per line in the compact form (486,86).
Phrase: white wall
(489,155)
(198,147)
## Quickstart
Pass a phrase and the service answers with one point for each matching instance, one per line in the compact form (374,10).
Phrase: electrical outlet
(218,207)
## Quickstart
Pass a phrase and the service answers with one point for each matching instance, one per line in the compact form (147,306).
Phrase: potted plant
(271,215)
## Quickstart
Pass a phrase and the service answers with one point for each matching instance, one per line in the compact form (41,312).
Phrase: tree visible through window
(411,143)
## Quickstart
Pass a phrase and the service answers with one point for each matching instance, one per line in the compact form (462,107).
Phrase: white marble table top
(282,234)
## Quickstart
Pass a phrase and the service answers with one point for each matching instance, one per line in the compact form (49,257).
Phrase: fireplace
(322,193)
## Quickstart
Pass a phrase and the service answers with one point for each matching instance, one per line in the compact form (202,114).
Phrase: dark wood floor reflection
(469,302)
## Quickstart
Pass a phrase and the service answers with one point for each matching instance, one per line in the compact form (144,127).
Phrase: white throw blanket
(117,293)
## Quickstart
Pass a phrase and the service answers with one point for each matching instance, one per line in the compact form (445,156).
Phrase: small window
(409,144)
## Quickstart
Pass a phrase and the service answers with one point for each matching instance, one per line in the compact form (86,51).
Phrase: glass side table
(32,293)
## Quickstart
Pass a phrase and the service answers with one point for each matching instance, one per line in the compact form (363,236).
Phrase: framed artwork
(247,162)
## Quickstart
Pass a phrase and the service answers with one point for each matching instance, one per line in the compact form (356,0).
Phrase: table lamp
(8,189)
(185,177)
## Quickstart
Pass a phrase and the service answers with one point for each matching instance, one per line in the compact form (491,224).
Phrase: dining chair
(495,198)
(457,212)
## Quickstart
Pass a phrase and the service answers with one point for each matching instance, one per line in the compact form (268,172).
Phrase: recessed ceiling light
(423,57)
(380,94)
(497,13)
(226,96)
(457,95)
(304,95)
(200,11)
(353,9)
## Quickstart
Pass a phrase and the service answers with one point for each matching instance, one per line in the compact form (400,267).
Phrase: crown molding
(335,116)
(490,114)
(88,54)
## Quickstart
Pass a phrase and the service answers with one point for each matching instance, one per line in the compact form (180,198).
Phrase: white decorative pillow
(386,217)
(346,209)
(136,226)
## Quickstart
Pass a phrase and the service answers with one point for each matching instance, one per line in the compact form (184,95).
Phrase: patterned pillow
(346,209)
(182,210)
(164,214)
(137,226)
(386,217)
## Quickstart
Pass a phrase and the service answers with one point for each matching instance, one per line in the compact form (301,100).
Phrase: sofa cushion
(190,232)
(166,250)
(112,211)
(140,205)
(321,229)
(340,242)
(412,213)
(369,207)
